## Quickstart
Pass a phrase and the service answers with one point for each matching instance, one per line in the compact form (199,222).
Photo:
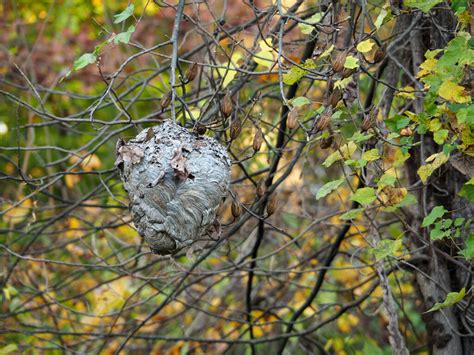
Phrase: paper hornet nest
(176,182)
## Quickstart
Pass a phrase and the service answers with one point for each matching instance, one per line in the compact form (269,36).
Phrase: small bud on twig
(324,119)
(272,204)
(165,100)
(379,54)
(347,72)
(200,129)
(335,97)
(227,106)
(369,120)
(236,208)
(261,188)
(257,140)
(326,142)
(192,72)
(339,61)
(235,128)
(292,120)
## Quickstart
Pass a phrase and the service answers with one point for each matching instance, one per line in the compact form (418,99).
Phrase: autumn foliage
(347,225)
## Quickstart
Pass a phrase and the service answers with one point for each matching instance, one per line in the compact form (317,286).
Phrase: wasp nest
(175,181)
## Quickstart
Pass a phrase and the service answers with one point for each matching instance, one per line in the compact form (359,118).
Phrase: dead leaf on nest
(129,153)
(178,164)
(149,134)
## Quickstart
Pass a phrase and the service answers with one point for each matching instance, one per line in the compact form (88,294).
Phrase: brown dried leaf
(178,165)
(130,153)
(149,134)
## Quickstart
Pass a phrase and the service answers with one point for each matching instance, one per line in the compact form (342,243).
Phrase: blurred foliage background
(75,274)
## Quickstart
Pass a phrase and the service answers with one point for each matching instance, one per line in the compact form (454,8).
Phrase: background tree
(347,228)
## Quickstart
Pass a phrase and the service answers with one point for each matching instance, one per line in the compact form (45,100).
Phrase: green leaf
(291,220)
(358,137)
(451,299)
(351,214)
(459,221)
(371,155)
(381,18)
(468,252)
(364,196)
(438,233)
(124,37)
(307,28)
(329,187)
(459,5)
(10,348)
(440,136)
(423,5)
(386,247)
(435,214)
(409,199)
(371,348)
(435,125)
(327,51)
(466,115)
(360,163)
(386,180)
(351,62)
(296,73)
(125,14)
(299,101)
(347,150)
(397,122)
(343,83)
(467,190)
(84,60)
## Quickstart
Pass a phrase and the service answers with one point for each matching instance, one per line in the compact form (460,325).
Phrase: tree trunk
(446,329)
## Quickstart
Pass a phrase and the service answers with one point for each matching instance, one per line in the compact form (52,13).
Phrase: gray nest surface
(176,182)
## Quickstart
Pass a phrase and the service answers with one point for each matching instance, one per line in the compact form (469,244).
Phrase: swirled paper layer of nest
(175,181)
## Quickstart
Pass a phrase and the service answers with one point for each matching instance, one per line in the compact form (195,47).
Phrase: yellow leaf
(265,56)
(71,180)
(73,225)
(351,62)
(365,46)
(426,67)
(107,301)
(230,70)
(348,149)
(342,83)
(90,163)
(407,92)
(343,326)
(18,213)
(452,92)
(327,52)
(437,160)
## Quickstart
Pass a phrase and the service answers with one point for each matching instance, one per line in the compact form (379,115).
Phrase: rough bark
(447,330)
